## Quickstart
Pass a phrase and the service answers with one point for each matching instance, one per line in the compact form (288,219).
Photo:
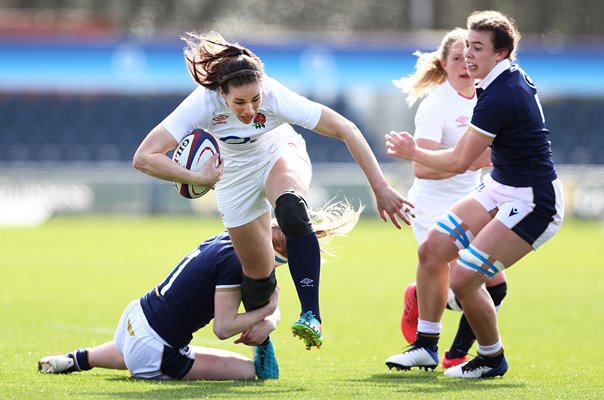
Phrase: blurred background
(83,81)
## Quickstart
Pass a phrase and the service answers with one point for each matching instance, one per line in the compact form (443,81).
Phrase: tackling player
(153,336)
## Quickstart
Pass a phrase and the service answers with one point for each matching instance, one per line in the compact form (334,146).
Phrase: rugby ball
(193,152)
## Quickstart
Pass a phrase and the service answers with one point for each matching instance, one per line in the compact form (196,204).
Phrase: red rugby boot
(410,314)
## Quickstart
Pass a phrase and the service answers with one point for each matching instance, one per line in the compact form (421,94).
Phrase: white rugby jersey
(443,117)
(206,109)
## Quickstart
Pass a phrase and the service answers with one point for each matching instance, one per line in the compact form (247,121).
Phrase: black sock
(498,292)
(304,259)
(464,339)
(427,340)
(492,360)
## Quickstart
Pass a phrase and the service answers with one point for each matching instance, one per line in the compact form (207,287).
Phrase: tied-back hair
(215,63)
(429,71)
(331,220)
(504,36)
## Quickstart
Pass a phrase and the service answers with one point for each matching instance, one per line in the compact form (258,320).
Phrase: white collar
(501,66)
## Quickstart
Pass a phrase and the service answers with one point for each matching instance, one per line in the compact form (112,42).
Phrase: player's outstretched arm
(390,203)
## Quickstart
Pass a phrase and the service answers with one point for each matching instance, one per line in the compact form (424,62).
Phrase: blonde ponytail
(429,71)
(331,220)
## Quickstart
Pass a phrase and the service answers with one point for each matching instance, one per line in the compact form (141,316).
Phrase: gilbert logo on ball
(193,152)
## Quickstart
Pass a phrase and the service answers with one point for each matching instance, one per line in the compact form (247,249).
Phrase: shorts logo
(513,212)
(307,282)
(130,330)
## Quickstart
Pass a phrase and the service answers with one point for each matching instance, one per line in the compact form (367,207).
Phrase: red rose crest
(259,121)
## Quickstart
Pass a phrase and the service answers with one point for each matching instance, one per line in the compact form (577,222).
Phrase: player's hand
(257,334)
(400,144)
(391,204)
(210,173)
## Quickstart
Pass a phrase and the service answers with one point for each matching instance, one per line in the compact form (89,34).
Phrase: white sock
(490,349)
(428,327)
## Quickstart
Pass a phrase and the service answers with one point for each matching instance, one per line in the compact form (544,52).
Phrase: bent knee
(458,285)
(437,249)
(292,215)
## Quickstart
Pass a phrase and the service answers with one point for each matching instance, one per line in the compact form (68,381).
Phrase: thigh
(501,243)
(497,243)
(288,174)
(254,247)
(215,364)
(290,167)
(472,213)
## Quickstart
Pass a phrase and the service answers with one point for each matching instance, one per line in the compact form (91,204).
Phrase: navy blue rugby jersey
(508,110)
(184,302)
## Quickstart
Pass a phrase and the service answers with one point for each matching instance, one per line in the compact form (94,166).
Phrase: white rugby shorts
(428,207)
(240,195)
(534,213)
(144,350)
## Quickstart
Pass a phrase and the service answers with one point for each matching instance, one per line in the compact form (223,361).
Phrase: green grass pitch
(65,284)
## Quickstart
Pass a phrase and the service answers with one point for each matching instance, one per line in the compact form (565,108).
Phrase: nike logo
(513,212)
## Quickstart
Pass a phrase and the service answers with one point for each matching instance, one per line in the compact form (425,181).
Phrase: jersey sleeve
(229,274)
(489,116)
(429,120)
(192,113)
(292,107)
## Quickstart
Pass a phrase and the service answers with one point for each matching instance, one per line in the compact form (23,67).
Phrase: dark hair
(215,63)
(504,36)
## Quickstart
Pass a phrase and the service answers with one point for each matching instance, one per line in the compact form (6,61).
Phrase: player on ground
(442,117)
(517,208)
(265,166)
(153,335)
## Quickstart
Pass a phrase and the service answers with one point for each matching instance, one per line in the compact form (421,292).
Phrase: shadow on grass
(434,382)
(198,389)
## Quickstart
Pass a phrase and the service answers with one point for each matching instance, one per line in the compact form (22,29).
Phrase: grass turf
(65,284)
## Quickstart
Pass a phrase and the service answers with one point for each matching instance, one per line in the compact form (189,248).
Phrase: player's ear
(502,54)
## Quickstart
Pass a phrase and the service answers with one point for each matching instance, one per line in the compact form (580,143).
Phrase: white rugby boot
(420,357)
(57,364)
(478,367)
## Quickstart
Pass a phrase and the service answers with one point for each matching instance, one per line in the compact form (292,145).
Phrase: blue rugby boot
(265,361)
(309,329)
(479,367)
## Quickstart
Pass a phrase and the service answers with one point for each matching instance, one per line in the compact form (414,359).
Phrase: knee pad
(457,230)
(476,260)
(497,293)
(292,215)
(256,292)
